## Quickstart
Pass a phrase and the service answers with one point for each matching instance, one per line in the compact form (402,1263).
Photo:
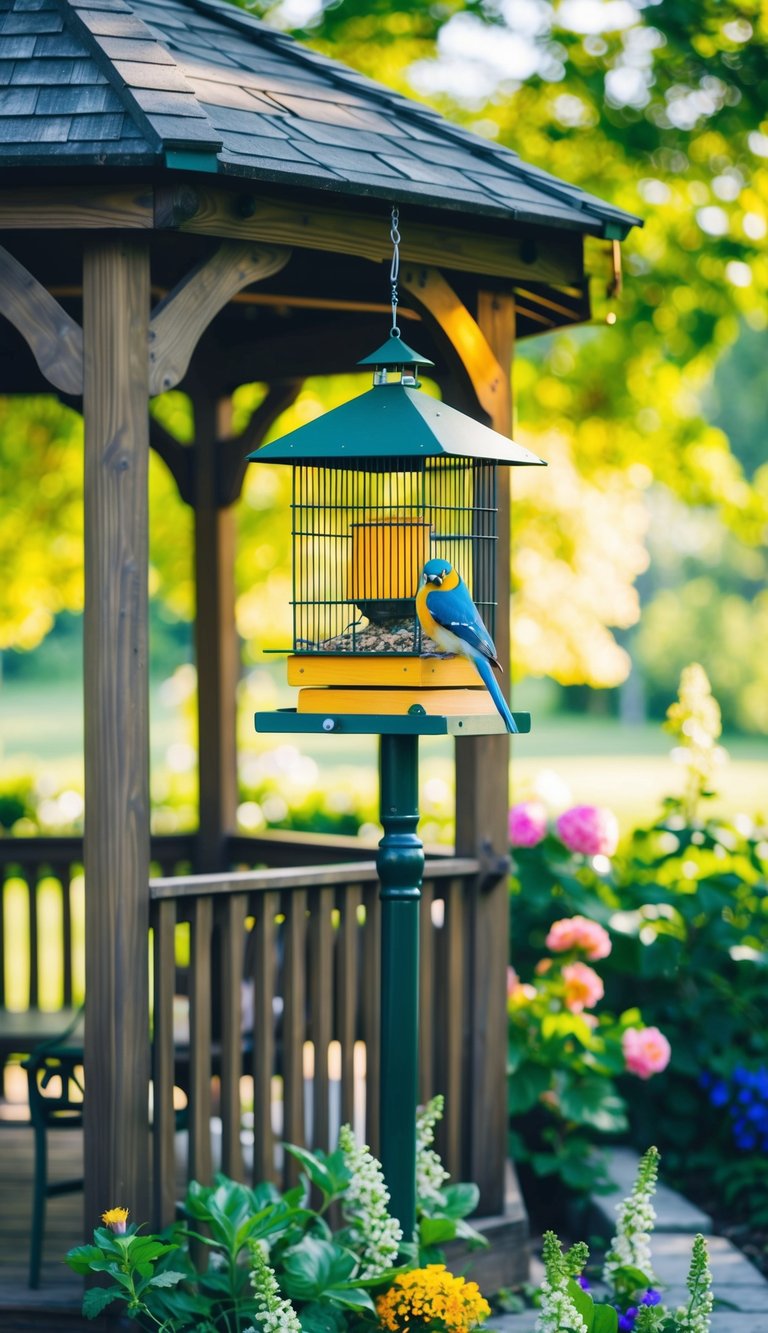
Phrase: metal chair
(54,1075)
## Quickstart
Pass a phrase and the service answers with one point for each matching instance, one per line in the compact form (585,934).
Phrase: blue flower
(719,1095)
(651,1297)
(584,1282)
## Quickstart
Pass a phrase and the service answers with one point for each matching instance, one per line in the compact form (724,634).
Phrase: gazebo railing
(266,1015)
(42,908)
(42,916)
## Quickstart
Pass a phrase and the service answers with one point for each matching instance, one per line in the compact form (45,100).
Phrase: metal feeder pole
(400,863)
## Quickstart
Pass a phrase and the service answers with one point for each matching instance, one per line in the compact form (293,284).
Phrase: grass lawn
(599,760)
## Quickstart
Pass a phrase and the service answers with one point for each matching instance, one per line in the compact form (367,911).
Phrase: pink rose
(577,932)
(583,987)
(527,824)
(589,829)
(646,1051)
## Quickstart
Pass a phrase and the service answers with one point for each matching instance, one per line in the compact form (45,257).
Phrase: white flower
(557,1312)
(631,1246)
(373,1233)
(276,1315)
(431,1175)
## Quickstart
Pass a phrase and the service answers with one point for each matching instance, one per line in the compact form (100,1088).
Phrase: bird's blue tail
(485,671)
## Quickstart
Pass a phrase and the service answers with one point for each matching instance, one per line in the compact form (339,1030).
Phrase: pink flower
(646,1051)
(583,987)
(589,829)
(577,932)
(527,824)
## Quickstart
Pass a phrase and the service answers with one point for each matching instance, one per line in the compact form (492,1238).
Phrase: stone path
(740,1287)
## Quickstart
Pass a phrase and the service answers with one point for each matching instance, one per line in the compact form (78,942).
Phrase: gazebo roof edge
(202,86)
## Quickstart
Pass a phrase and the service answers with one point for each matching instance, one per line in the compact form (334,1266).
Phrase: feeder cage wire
(362,532)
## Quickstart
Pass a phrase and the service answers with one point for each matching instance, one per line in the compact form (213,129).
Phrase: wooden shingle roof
(199,85)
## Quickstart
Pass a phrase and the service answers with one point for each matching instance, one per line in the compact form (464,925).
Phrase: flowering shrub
(632,1302)
(275,1264)
(682,906)
(431,1298)
(564,1059)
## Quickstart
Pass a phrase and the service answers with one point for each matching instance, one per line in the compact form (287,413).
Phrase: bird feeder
(381,485)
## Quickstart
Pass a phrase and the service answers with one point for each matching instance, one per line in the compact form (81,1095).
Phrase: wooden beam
(216,644)
(537,254)
(79,207)
(182,316)
(116,314)
(219,466)
(482,800)
(444,310)
(53,337)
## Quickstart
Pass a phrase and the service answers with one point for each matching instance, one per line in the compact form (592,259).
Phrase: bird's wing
(456,611)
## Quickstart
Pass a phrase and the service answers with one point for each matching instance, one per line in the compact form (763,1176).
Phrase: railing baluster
(264,969)
(347,994)
(321,1009)
(294,1024)
(426,994)
(63,873)
(453,1002)
(163,1068)
(232,927)
(33,884)
(200,1164)
(2,944)
(372,1012)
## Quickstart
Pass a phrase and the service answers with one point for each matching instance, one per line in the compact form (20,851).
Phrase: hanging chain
(394,270)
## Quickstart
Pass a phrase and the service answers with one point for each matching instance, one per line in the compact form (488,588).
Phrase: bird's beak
(434,578)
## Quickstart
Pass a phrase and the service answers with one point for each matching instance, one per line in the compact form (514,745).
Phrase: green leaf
(168,1279)
(328,1174)
(583,1302)
(593,1101)
(436,1230)
(97,1299)
(313,1266)
(352,1298)
(604,1320)
(460,1199)
(82,1256)
(317,1318)
(526,1086)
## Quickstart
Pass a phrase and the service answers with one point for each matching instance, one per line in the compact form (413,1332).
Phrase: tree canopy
(658,107)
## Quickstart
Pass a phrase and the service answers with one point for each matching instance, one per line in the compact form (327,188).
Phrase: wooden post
(115,318)
(218,663)
(482,800)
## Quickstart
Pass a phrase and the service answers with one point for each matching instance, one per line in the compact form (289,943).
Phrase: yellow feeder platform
(374,672)
(442,703)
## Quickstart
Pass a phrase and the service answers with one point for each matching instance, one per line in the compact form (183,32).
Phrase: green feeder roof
(394,352)
(392,421)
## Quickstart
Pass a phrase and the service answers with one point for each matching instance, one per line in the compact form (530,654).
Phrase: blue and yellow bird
(450,618)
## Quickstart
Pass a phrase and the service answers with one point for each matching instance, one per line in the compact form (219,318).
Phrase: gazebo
(191,199)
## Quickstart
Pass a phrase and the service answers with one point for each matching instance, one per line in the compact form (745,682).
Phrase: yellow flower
(115,1219)
(417,1299)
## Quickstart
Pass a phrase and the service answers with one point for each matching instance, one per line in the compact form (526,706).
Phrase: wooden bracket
(230,451)
(447,312)
(53,337)
(232,465)
(178,458)
(182,316)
